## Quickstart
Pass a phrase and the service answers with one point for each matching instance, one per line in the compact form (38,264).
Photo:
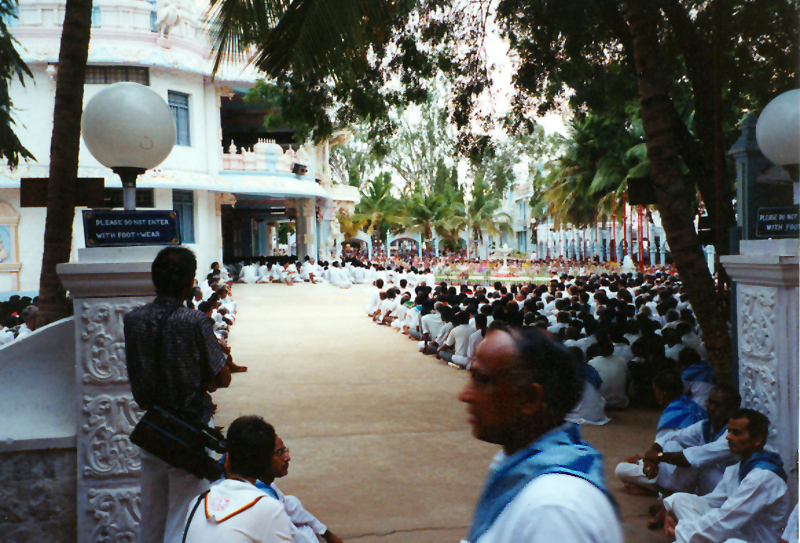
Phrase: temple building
(229,179)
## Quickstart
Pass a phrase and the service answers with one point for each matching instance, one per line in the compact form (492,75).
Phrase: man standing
(547,484)
(751,503)
(173,359)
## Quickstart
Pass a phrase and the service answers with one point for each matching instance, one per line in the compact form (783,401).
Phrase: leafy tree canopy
(11,66)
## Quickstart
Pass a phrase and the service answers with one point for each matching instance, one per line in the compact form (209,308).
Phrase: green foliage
(378,209)
(584,183)
(11,66)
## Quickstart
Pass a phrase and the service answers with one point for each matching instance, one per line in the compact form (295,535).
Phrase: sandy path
(380,446)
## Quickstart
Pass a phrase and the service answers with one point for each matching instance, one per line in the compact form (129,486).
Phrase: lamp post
(129,128)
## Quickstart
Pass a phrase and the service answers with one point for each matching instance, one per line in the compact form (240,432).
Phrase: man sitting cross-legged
(235,511)
(751,503)
(305,527)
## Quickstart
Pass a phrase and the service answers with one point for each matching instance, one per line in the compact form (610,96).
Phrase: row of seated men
(694,445)
(345,273)
(619,335)
(213,296)
(714,472)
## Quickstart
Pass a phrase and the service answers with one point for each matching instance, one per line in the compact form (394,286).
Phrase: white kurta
(755,510)
(614,373)
(238,512)
(591,408)
(305,526)
(557,508)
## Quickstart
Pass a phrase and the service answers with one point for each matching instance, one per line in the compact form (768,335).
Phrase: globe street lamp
(778,131)
(129,128)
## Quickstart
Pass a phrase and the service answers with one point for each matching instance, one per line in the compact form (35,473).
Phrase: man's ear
(533,402)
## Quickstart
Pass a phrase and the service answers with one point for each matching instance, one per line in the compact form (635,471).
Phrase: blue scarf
(559,451)
(592,376)
(681,413)
(266,488)
(707,432)
(762,460)
(701,372)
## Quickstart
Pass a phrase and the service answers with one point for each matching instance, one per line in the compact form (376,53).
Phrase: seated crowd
(344,274)
(17,318)
(636,342)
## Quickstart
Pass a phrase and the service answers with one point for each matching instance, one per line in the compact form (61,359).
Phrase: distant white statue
(3,253)
(171,13)
(334,237)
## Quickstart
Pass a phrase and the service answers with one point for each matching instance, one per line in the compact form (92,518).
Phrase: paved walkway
(381,450)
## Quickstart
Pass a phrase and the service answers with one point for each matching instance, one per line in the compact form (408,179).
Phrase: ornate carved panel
(114,515)
(757,336)
(104,359)
(109,422)
(757,323)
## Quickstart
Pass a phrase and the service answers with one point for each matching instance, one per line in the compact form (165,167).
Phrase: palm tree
(11,65)
(378,207)
(483,215)
(425,213)
(64,147)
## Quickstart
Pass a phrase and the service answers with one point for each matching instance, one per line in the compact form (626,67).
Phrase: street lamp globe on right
(778,131)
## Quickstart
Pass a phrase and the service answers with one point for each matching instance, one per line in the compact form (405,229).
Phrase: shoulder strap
(191,515)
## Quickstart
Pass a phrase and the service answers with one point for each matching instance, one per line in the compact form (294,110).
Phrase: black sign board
(125,228)
(778,222)
(89,192)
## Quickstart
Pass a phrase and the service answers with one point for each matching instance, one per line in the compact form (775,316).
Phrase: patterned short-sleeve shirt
(190,357)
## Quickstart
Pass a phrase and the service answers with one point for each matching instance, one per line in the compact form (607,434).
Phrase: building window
(106,75)
(183,206)
(144,198)
(97,15)
(179,103)
(153,16)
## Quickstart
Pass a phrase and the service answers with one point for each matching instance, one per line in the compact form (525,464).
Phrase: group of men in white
(342,274)
(711,462)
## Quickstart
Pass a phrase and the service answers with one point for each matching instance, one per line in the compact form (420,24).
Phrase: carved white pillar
(766,276)
(270,236)
(106,284)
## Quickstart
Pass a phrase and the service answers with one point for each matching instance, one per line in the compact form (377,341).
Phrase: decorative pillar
(106,284)
(269,239)
(309,220)
(766,277)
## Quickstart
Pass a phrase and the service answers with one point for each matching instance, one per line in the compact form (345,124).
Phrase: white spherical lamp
(128,125)
(129,128)
(778,129)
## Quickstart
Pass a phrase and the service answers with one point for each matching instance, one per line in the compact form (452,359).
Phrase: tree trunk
(672,191)
(64,148)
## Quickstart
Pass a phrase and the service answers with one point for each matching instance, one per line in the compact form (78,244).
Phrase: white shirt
(556,508)
(709,460)
(305,526)
(432,324)
(754,510)
(473,342)
(613,371)
(238,513)
(459,338)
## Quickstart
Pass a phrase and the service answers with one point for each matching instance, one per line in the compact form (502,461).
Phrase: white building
(229,202)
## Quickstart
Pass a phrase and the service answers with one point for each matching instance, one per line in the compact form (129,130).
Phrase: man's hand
(670,522)
(652,456)
(330,537)
(650,469)
(633,459)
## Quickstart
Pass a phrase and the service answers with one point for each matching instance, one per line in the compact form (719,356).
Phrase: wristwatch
(659,456)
